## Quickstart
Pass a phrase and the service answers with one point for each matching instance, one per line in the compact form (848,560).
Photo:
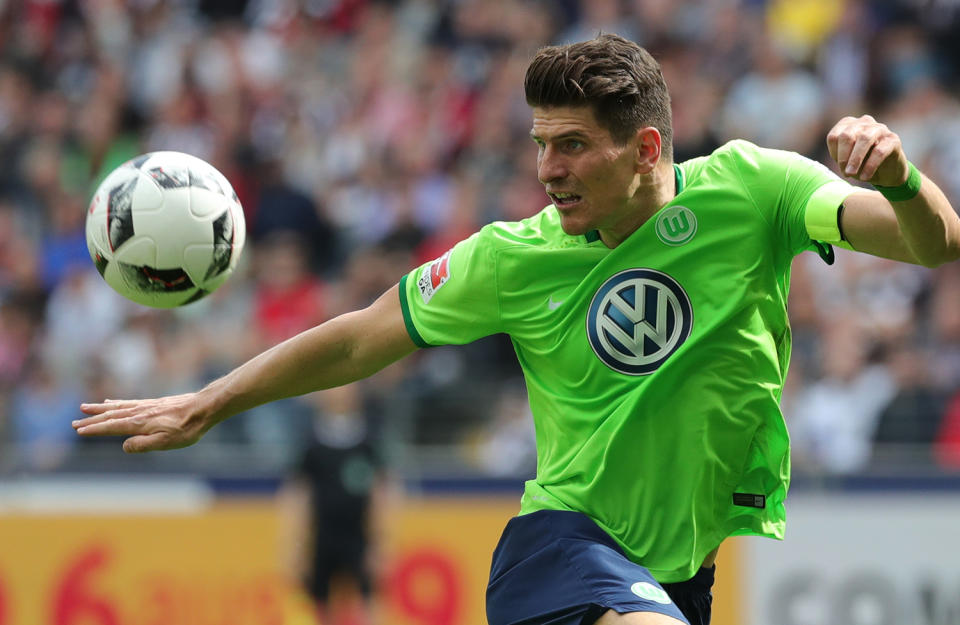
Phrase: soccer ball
(165,229)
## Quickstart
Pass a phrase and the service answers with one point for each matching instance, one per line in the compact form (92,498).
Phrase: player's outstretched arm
(342,350)
(906,223)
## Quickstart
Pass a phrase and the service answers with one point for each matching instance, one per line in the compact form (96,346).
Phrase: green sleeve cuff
(407,319)
(822,214)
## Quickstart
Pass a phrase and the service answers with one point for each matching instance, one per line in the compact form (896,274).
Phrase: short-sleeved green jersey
(654,369)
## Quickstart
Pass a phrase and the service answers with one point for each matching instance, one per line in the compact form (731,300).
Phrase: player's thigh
(612,617)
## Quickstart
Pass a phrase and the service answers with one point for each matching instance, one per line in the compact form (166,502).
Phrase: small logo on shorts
(646,590)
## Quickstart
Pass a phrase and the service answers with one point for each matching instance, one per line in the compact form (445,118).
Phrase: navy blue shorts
(556,567)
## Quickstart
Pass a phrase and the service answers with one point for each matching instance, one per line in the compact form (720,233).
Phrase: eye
(573,144)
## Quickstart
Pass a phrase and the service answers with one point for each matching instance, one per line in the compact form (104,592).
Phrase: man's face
(589,178)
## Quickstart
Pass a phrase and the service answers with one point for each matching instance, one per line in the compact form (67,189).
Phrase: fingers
(833,140)
(850,140)
(841,139)
(95,408)
(112,427)
(145,434)
(880,152)
(117,418)
(861,145)
(839,142)
(108,404)
(100,415)
(110,409)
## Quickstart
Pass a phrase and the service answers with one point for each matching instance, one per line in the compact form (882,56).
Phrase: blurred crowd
(366,137)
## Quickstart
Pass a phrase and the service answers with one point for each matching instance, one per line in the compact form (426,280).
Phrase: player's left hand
(867,150)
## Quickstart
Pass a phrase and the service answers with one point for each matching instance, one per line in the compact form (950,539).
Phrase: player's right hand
(151,424)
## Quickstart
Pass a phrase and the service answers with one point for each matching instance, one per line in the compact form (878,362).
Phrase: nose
(550,166)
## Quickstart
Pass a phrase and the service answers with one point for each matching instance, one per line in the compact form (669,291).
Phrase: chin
(571,226)
(574,228)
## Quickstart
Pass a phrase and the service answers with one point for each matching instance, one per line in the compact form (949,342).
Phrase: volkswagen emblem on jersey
(637,319)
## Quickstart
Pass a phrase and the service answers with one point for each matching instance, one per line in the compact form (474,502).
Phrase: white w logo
(637,319)
(636,314)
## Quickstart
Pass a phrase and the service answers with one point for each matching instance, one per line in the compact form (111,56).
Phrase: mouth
(564,199)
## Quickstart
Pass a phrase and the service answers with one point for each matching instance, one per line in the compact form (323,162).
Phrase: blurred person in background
(843,59)
(694,98)
(599,16)
(507,445)
(19,257)
(69,340)
(907,425)
(20,324)
(64,249)
(779,105)
(726,42)
(945,365)
(17,98)
(832,420)
(597,293)
(946,446)
(104,133)
(288,299)
(333,509)
(284,216)
(41,407)
(458,224)
(944,329)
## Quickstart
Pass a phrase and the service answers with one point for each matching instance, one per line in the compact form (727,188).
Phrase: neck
(651,193)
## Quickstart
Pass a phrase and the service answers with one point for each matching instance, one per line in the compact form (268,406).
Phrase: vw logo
(637,319)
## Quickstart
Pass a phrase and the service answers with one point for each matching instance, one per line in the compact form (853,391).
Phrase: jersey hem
(407,318)
(536,498)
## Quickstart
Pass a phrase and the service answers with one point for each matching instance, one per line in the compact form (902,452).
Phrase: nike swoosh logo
(553,305)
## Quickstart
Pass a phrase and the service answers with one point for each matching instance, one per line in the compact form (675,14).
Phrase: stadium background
(363,138)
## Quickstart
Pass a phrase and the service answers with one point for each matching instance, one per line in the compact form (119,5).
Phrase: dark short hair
(618,79)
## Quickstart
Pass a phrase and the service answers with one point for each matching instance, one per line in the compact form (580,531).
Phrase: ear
(648,143)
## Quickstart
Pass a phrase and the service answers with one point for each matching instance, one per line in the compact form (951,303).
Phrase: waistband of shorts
(547,525)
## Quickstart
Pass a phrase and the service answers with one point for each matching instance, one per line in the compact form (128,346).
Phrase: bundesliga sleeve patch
(434,276)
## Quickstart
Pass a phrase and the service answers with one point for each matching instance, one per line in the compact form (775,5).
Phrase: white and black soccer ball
(165,229)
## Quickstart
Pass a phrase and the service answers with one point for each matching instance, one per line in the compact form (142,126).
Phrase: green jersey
(654,370)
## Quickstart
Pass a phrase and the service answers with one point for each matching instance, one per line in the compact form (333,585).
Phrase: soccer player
(647,307)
